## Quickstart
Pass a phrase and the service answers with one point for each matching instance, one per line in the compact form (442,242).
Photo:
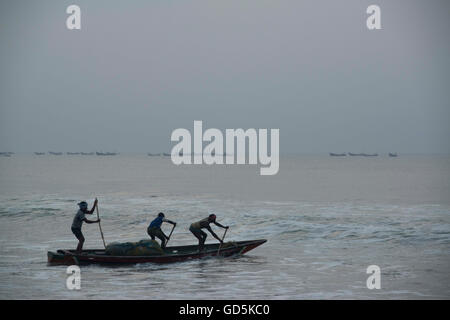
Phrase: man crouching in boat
(78,222)
(154,229)
(196,229)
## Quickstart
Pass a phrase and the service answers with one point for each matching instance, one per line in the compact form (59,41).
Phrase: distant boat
(362,154)
(106,153)
(39,153)
(337,154)
(55,153)
(6,154)
(393,154)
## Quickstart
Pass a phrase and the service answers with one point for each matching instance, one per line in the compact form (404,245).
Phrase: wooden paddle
(170,234)
(222,241)
(100,226)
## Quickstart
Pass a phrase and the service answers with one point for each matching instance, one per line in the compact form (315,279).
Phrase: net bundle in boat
(141,248)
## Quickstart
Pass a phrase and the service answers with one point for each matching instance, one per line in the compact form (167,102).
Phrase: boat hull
(172,254)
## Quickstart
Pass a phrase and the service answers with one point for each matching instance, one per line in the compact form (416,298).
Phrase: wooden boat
(106,153)
(392,154)
(172,254)
(337,154)
(370,155)
(363,154)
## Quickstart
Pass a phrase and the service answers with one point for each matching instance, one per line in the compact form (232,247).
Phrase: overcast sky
(137,70)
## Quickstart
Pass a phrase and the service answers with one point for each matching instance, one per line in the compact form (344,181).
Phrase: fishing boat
(363,154)
(171,254)
(392,154)
(106,153)
(370,155)
(337,154)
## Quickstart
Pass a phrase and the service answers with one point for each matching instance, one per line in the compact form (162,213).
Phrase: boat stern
(55,258)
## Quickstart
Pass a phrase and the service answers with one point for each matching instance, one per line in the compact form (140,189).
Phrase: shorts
(197,231)
(77,232)
(155,232)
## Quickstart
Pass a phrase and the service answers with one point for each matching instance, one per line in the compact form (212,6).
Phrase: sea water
(326,220)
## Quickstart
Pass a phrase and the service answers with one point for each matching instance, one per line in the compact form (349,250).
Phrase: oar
(170,234)
(100,226)
(222,241)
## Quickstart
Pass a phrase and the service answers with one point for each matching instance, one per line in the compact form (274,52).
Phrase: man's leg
(198,235)
(80,238)
(202,241)
(80,246)
(161,236)
(158,233)
(150,233)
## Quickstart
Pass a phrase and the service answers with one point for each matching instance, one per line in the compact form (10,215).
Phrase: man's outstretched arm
(91,221)
(218,224)
(169,221)
(213,234)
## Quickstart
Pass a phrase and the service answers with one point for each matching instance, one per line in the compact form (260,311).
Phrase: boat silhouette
(337,154)
(363,154)
(106,153)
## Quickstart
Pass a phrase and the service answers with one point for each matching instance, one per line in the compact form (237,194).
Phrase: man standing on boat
(196,229)
(154,229)
(78,222)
